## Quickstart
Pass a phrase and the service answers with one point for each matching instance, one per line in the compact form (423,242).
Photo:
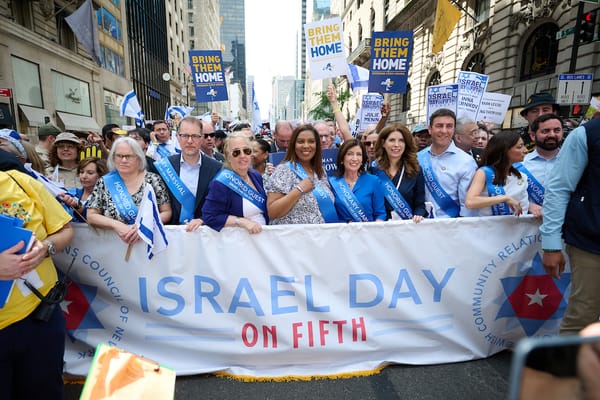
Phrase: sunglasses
(369,144)
(207,135)
(247,151)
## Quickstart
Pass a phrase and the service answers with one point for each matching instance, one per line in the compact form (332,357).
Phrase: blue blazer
(208,169)
(221,202)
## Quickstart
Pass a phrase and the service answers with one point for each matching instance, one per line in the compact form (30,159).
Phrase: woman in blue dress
(236,196)
(358,196)
(398,169)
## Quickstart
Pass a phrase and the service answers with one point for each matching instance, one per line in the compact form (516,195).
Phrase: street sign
(574,88)
(565,32)
(5,92)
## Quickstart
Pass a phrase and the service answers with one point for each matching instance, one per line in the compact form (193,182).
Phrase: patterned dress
(306,210)
(101,199)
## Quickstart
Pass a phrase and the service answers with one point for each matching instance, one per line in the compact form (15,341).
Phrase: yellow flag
(446,17)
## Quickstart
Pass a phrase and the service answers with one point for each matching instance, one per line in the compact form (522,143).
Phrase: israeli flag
(50,185)
(358,77)
(130,107)
(150,227)
(183,111)
(256,120)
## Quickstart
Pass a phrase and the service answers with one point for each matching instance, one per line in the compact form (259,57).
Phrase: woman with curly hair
(397,167)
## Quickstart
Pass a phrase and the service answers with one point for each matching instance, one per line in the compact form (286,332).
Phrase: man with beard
(547,134)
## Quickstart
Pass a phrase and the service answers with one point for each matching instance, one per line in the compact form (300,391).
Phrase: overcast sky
(271,29)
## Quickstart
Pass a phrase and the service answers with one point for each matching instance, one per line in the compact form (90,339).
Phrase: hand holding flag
(150,227)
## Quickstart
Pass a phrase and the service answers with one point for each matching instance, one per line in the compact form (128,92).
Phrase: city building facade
(514,42)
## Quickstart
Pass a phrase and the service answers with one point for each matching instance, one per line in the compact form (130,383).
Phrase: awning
(78,123)
(35,116)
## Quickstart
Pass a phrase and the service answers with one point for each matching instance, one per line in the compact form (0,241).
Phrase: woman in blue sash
(358,196)
(117,195)
(236,196)
(498,188)
(401,177)
(298,191)
(90,169)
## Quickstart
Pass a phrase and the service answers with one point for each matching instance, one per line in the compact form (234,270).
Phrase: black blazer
(477,153)
(208,170)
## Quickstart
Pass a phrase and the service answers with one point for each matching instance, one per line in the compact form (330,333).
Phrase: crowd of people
(204,175)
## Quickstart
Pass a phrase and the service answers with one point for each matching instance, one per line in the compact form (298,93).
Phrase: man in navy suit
(187,175)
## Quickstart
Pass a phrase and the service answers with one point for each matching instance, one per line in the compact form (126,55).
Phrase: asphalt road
(481,379)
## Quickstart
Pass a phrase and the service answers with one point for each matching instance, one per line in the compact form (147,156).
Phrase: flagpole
(461,8)
(128,252)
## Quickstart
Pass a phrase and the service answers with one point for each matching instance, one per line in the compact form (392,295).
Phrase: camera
(57,294)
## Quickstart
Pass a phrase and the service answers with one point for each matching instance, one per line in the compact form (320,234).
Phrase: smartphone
(556,355)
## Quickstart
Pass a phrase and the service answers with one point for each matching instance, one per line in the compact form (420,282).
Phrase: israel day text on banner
(442,96)
(390,58)
(208,75)
(493,107)
(308,300)
(370,110)
(325,48)
(471,87)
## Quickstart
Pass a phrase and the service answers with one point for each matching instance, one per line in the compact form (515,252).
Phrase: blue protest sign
(390,58)
(208,75)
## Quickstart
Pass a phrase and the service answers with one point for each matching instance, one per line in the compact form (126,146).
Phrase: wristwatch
(51,247)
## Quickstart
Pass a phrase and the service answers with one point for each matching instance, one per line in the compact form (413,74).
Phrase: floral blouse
(306,210)
(101,199)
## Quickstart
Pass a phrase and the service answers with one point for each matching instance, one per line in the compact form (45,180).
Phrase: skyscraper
(233,40)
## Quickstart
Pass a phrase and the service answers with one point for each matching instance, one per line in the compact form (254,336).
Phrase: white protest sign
(471,87)
(325,48)
(493,107)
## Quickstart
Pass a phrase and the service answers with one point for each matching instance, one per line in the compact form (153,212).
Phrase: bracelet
(299,189)
(336,110)
(551,250)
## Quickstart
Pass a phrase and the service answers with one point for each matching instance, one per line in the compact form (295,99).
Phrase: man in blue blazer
(187,175)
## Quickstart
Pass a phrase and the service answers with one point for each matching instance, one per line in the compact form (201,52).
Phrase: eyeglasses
(125,157)
(369,144)
(193,137)
(207,135)
(65,146)
(247,151)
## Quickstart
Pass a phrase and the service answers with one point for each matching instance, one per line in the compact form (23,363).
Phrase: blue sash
(162,150)
(495,190)
(344,194)
(535,189)
(178,189)
(393,196)
(121,197)
(443,199)
(234,182)
(323,200)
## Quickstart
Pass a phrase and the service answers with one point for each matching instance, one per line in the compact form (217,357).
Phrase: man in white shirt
(162,145)
(547,133)
(447,170)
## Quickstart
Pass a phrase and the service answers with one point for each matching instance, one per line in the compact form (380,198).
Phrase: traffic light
(587,27)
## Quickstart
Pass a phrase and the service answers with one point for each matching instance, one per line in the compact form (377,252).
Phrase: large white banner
(312,300)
